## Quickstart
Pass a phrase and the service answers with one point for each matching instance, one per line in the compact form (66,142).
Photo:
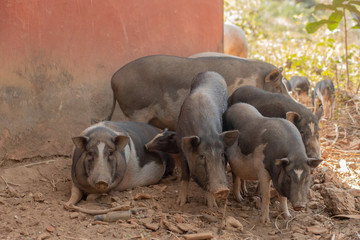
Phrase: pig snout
(101,185)
(221,193)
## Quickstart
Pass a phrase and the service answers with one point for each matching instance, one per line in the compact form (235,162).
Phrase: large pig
(151,89)
(235,42)
(269,149)
(278,105)
(111,156)
(324,94)
(200,138)
(300,86)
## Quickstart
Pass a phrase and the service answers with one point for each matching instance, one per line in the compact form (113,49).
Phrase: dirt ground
(32,193)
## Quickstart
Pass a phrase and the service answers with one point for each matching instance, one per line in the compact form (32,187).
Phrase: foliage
(276,33)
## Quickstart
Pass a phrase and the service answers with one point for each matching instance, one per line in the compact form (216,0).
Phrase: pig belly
(136,176)
(244,168)
(248,167)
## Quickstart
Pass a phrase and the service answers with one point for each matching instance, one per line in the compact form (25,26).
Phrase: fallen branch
(198,236)
(72,207)
(39,163)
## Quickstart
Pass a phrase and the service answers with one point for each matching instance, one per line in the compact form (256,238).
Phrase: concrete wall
(57,58)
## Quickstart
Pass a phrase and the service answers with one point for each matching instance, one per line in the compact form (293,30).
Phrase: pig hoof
(181,201)
(238,197)
(265,220)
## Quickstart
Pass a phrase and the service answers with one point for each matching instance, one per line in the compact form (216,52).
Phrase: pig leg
(284,207)
(184,185)
(76,195)
(264,181)
(236,188)
(243,187)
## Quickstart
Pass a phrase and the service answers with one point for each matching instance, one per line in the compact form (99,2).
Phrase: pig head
(291,178)
(101,162)
(206,161)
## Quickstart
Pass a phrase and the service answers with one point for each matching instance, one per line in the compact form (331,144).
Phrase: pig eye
(222,154)
(202,157)
(111,152)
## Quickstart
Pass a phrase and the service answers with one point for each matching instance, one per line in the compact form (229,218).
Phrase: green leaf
(354,2)
(336,17)
(321,6)
(356,26)
(351,8)
(314,26)
(337,3)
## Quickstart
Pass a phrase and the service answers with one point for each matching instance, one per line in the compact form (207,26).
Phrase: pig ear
(80,142)
(230,137)
(282,162)
(121,141)
(190,143)
(319,112)
(293,117)
(273,76)
(314,162)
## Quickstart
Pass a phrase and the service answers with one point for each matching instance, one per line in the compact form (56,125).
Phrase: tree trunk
(346,54)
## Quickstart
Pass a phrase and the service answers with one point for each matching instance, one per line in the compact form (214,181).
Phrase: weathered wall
(57,58)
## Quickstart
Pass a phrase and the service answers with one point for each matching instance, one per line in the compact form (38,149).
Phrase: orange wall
(57,58)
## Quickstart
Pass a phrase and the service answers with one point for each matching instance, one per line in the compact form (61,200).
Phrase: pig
(235,42)
(165,141)
(324,94)
(110,156)
(269,149)
(300,87)
(138,85)
(278,105)
(200,138)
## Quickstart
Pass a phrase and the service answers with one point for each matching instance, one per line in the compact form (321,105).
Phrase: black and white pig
(269,149)
(200,138)
(165,141)
(111,156)
(278,105)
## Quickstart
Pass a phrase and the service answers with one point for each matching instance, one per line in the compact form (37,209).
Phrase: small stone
(43,236)
(38,197)
(101,230)
(50,229)
(74,215)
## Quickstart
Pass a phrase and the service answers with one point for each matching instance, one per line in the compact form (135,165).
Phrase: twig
(252,228)
(223,217)
(52,181)
(7,186)
(351,117)
(276,219)
(173,234)
(38,163)
(336,134)
(95,211)
(287,223)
